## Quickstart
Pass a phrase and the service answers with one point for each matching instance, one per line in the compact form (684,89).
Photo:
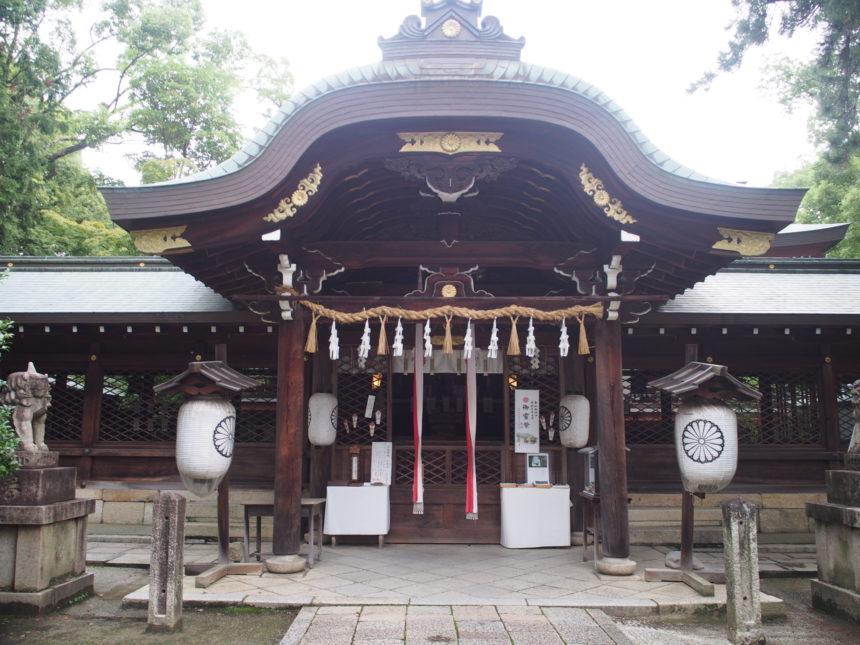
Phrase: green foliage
(167,79)
(833,197)
(8,439)
(831,81)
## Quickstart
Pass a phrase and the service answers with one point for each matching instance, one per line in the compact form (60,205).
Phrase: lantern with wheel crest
(706,429)
(206,423)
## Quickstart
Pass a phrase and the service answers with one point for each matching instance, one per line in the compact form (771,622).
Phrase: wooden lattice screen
(845,406)
(354,384)
(789,411)
(255,409)
(447,465)
(132,412)
(543,375)
(63,422)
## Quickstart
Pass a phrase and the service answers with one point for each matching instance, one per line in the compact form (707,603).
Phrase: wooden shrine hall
(455,188)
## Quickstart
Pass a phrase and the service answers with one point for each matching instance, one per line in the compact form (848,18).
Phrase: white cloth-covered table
(535,517)
(357,510)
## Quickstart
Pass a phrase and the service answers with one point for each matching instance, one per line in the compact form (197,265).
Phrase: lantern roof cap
(707,380)
(207,377)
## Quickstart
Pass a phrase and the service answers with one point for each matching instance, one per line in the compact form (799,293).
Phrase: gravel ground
(100,620)
(802,624)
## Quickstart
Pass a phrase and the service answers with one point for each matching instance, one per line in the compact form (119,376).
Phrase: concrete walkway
(484,625)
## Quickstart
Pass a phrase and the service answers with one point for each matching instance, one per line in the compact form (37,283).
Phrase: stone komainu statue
(30,393)
(854,446)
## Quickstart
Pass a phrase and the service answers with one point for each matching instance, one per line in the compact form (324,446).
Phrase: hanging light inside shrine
(322,419)
(573,417)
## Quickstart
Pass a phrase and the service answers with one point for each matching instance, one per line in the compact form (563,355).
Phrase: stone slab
(38,458)
(832,514)
(38,486)
(46,600)
(843,487)
(47,513)
(835,600)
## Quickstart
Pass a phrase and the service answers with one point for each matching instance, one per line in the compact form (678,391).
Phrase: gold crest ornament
(306,189)
(613,208)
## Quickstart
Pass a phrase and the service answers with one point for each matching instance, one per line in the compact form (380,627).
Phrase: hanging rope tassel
(514,343)
(563,340)
(583,338)
(333,343)
(448,343)
(397,347)
(311,343)
(382,345)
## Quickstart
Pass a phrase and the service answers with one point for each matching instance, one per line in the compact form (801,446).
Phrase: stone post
(165,565)
(743,604)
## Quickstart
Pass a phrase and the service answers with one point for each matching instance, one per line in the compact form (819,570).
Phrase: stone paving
(435,575)
(434,624)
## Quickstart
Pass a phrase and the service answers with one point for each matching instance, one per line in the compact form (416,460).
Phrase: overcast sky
(643,54)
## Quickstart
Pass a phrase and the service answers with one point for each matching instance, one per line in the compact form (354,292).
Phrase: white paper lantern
(322,419)
(573,414)
(706,442)
(205,432)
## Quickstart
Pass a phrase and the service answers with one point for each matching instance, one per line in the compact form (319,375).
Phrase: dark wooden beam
(536,255)
(610,439)
(289,418)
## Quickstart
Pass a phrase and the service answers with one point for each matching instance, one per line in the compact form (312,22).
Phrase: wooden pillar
(610,440)
(223,489)
(289,415)
(92,410)
(829,394)
(688,520)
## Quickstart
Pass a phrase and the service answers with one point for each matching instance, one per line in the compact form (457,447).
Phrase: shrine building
(450,198)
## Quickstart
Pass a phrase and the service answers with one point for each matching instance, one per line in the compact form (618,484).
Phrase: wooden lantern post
(705,382)
(205,378)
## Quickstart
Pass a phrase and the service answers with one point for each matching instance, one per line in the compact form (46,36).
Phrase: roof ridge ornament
(451,29)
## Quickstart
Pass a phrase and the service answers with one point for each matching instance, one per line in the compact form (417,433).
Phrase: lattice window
(131,411)
(789,411)
(448,466)
(255,409)
(844,405)
(526,374)
(648,417)
(65,415)
(355,383)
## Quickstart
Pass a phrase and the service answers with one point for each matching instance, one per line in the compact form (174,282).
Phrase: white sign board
(526,420)
(380,463)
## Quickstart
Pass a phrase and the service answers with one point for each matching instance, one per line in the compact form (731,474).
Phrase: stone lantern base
(837,543)
(43,531)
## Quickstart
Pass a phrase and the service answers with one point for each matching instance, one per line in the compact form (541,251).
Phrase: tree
(155,72)
(831,80)
(8,439)
(834,197)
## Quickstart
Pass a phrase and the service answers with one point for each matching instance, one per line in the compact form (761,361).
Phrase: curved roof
(400,71)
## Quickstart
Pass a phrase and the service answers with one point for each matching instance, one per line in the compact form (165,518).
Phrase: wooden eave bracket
(742,242)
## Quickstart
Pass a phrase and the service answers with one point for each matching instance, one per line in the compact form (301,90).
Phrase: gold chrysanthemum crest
(613,208)
(301,195)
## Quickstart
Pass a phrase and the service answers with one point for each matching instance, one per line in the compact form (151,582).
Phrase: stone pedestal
(837,543)
(43,531)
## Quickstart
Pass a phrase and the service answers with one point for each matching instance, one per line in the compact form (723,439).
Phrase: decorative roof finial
(451,29)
